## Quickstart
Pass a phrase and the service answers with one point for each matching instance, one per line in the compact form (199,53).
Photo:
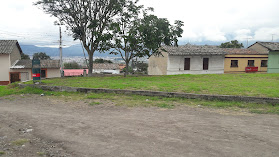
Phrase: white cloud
(212,20)
(265,34)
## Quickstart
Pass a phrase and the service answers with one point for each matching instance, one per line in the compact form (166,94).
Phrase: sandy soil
(57,128)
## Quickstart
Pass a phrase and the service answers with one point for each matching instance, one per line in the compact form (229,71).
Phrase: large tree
(41,56)
(139,37)
(88,20)
(232,44)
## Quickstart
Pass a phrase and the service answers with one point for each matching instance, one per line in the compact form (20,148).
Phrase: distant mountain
(75,50)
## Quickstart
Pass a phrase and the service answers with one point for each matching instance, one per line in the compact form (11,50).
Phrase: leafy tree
(100,60)
(24,56)
(156,31)
(141,67)
(72,65)
(41,56)
(88,20)
(135,37)
(232,44)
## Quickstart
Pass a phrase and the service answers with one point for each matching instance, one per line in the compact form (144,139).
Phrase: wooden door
(187,64)
(205,63)
(15,77)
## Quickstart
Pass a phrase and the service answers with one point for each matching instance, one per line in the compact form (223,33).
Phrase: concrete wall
(15,55)
(157,65)
(176,65)
(26,74)
(259,48)
(243,63)
(156,93)
(4,67)
(273,62)
(52,73)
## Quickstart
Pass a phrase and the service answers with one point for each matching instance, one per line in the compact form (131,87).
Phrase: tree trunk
(126,69)
(90,68)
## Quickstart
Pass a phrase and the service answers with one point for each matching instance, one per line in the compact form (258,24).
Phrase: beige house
(13,69)
(187,59)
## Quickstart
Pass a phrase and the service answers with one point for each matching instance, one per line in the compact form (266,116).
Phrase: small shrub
(20,142)
(94,103)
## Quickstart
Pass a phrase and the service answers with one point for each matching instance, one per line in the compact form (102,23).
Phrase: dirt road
(53,127)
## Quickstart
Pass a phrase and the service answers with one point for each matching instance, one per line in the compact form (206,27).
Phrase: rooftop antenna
(247,41)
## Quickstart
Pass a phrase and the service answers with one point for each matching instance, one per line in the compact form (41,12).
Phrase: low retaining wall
(155,93)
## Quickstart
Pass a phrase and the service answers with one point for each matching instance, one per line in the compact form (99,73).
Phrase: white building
(109,68)
(187,59)
(13,69)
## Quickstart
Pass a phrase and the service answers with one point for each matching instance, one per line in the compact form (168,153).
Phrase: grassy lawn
(94,99)
(261,85)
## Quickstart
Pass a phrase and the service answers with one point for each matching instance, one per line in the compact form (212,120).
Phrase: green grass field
(260,85)
(93,99)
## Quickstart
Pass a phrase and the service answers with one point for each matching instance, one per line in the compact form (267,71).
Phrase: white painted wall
(108,71)
(176,65)
(4,67)
(52,73)
(24,73)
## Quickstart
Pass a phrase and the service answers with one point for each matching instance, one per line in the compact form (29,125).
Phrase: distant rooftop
(189,49)
(238,51)
(272,46)
(7,46)
(27,64)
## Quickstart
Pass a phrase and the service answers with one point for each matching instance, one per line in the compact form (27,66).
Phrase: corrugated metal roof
(232,51)
(273,46)
(7,46)
(27,64)
(189,49)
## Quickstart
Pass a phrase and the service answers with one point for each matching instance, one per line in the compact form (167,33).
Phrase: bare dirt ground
(53,127)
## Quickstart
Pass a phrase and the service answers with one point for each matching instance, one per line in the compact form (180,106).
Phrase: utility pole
(60,48)
(272,37)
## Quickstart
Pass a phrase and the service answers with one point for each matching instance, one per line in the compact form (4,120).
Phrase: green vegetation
(20,142)
(94,103)
(41,154)
(260,85)
(145,101)
(2,153)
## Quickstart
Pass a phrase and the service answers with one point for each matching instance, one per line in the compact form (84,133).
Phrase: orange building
(244,61)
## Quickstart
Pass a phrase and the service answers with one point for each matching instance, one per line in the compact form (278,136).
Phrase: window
(234,63)
(251,63)
(205,63)
(264,63)
(187,64)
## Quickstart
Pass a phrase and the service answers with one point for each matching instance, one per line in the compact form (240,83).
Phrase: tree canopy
(72,65)
(41,56)
(139,37)
(100,60)
(232,44)
(88,20)
(25,56)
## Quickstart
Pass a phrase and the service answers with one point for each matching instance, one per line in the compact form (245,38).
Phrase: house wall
(176,65)
(52,73)
(26,74)
(106,71)
(243,63)
(4,69)
(15,55)
(157,65)
(273,62)
(259,48)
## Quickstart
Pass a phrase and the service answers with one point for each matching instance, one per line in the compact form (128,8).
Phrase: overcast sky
(205,20)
